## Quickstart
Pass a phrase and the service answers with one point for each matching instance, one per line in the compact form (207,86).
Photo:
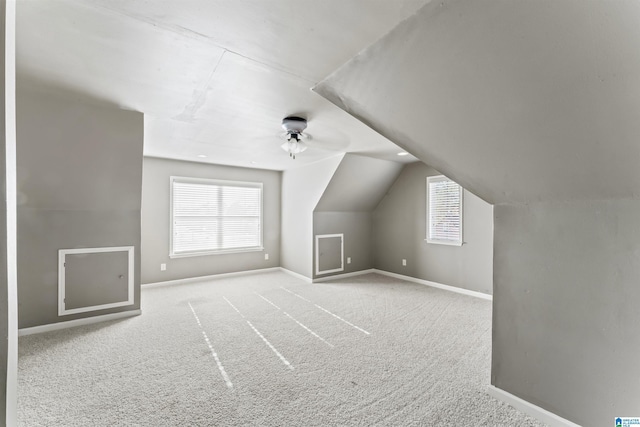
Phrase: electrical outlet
(404,262)
(163,267)
(266,257)
(348,260)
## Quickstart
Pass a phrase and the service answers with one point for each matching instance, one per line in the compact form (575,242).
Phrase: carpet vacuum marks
(270,350)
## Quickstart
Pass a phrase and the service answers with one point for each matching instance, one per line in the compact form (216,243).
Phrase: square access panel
(329,253)
(91,279)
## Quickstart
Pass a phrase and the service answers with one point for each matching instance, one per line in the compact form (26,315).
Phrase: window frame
(429,239)
(217,182)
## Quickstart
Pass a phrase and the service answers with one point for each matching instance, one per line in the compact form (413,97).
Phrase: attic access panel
(91,279)
(329,253)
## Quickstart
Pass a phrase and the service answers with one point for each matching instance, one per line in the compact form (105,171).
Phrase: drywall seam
(435,285)
(78,322)
(537,412)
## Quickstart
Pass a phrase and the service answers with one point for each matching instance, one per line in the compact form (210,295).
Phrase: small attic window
(444,211)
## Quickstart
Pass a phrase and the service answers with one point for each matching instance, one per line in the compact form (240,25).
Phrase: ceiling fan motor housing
(293,124)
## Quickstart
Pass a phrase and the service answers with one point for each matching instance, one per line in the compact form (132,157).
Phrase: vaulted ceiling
(214,78)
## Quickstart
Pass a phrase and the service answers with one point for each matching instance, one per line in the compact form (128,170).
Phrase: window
(211,216)
(444,211)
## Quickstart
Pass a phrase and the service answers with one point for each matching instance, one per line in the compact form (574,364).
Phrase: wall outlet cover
(348,260)
(163,266)
(266,257)
(404,262)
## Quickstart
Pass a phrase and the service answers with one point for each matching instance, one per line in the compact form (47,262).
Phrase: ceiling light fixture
(202,156)
(294,144)
(403,153)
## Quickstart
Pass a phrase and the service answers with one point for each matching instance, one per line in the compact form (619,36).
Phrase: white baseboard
(205,278)
(77,322)
(435,285)
(297,275)
(536,412)
(343,276)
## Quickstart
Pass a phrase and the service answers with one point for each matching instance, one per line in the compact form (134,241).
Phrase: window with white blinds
(444,211)
(211,216)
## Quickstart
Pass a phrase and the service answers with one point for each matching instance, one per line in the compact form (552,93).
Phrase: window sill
(444,242)
(207,253)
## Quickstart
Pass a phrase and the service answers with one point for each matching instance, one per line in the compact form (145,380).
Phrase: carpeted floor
(270,350)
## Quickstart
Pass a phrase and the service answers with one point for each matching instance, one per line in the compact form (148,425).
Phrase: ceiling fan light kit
(294,126)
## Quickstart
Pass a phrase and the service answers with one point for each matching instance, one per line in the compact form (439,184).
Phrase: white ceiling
(213,78)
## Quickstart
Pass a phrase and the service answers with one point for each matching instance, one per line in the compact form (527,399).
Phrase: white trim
(343,276)
(77,322)
(444,242)
(436,285)
(297,275)
(428,239)
(528,408)
(205,278)
(215,181)
(62,253)
(328,236)
(221,252)
(11,389)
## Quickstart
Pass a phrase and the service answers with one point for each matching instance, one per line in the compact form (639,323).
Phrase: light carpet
(270,350)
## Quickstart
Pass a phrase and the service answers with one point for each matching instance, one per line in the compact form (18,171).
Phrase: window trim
(460,242)
(219,182)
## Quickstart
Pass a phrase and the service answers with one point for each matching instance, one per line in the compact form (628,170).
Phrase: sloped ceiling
(214,78)
(516,100)
(358,184)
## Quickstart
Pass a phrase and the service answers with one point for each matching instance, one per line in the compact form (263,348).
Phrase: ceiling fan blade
(327,140)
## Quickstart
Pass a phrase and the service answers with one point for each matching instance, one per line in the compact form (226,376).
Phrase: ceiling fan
(295,143)
(297,139)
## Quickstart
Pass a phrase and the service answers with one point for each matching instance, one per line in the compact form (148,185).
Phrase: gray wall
(79,185)
(347,202)
(156,214)
(357,230)
(507,97)
(302,188)
(529,105)
(566,318)
(399,224)
(4,283)
(358,184)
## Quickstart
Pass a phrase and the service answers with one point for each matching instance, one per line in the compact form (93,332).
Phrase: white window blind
(209,216)
(444,211)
